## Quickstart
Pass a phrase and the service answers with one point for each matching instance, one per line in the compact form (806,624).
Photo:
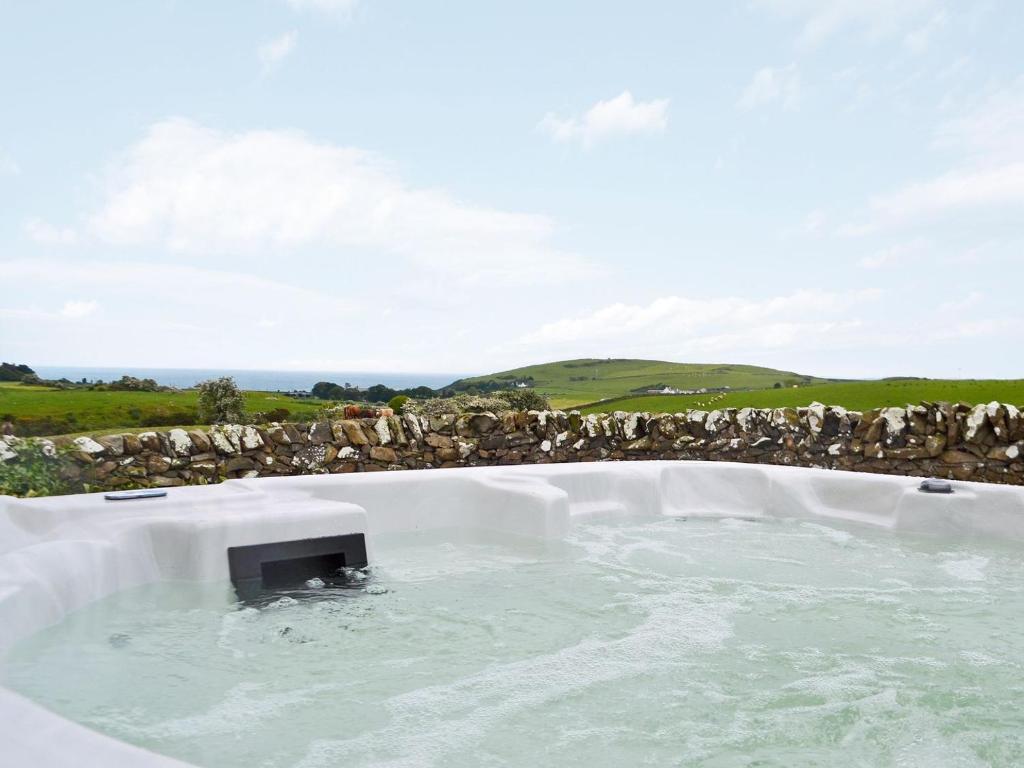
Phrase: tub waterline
(64,553)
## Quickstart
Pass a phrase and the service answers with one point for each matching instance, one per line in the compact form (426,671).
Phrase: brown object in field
(353,411)
(386,412)
(7,429)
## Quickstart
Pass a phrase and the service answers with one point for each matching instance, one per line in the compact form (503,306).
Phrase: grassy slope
(614,378)
(134,411)
(856,395)
(86,411)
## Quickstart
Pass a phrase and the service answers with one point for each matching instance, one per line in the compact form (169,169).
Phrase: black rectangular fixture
(291,563)
(933,485)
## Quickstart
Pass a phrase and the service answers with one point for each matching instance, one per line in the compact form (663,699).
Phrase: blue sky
(829,186)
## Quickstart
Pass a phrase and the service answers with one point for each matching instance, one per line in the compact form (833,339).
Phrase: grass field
(855,395)
(570,382)
(46,411)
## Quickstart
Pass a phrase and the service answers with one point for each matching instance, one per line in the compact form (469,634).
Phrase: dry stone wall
(956,441)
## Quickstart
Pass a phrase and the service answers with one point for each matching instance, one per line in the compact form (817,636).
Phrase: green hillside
(855,395)
(47,411)
(572,382)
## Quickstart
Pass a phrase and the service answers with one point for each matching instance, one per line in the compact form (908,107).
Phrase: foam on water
(660,642)
(966,569)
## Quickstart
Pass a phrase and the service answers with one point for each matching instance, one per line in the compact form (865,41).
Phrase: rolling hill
(856,395)
(574,382)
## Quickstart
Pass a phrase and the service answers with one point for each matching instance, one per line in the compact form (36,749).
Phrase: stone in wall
(949,440)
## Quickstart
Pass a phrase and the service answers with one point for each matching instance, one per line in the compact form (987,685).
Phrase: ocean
(270,381)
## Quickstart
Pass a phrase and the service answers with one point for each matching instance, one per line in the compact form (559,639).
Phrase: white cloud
(770,85)
(78,309)
(814,221)
(963,303)
(954,69)
(165,313)
(341,8)
(8,165)
(987,327)
(273,52)
(894,254)
(918,40)
(993,130)
(824,18)
(45,233)
(619,116)
(193,189)
(991,251)
(989,175)
(809,330)
(153,283)
(707,325)
(956,190)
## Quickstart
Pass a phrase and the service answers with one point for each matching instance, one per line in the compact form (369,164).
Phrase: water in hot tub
(656,642)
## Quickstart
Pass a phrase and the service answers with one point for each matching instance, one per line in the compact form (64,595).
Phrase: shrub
(35,471)
(277,414)
(510,400)
(331,412)
(396,402)
(266,417)
(220,401)
(167,417)
(132,384)
(455,405)
(28,426)
(524,400)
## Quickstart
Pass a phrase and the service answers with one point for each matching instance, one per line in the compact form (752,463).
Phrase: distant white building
(665,391)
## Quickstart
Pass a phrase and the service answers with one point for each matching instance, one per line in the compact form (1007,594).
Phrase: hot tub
(588,614)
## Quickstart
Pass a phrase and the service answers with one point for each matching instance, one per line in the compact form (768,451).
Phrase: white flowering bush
(494,402)
(221,401)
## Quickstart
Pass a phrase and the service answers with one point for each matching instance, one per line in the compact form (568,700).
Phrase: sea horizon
(248,379)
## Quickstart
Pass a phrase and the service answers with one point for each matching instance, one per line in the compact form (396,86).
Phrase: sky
(834,187)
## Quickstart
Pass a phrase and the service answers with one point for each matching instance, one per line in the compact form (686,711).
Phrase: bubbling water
(654,642)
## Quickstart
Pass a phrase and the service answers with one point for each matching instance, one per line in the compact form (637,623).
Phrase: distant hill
(572,382)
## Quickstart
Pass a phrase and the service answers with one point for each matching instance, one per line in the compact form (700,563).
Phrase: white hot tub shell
(59,554)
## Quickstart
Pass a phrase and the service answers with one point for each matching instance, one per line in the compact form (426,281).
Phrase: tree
(778,385)
(327,390)
(379,393)
(220,401)
(14,371)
